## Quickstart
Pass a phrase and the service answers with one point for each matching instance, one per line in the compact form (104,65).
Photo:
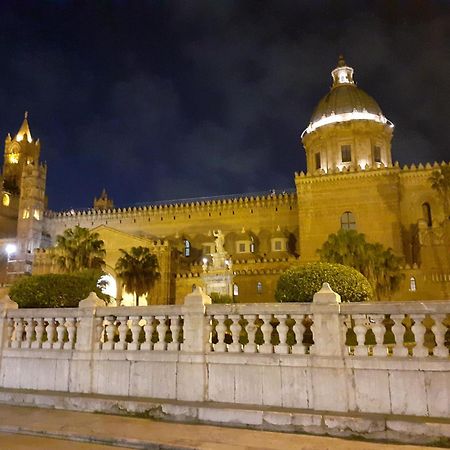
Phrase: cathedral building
(351,182)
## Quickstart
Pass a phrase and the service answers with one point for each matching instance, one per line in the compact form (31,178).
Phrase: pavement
(39,428)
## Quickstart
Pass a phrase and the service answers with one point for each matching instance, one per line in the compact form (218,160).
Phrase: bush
(299,284)
(55,290)
(220,298)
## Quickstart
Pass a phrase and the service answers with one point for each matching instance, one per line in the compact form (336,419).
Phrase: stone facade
(350,182)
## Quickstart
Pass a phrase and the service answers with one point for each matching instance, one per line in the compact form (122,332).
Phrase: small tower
(20,151)
(347,129)
(103,202)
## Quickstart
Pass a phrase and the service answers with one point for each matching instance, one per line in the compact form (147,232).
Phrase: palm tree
(379,265)
(440,182)
(138,270)
(78,249)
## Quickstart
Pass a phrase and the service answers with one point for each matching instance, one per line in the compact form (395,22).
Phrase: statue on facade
(219,241)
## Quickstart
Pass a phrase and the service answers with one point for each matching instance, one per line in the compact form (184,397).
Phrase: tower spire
(24,130)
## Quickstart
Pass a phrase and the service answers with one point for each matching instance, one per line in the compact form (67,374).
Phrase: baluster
(209,330)
(419,330)
(439,330)
(235,328)
(60,333)
(111,329)
(266,329)
(161,329)
(70,327)
(174,346)
(399,331)
(99,333)
(299,330)
(220,330)
(360,330)
(379,330)
(135,332)
(29,332)
(18,333)
(50,330)
(250,328)
(148,330)
(123,329)
(282,329)
(9,332)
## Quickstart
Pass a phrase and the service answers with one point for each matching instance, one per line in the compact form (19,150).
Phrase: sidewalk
(130,432)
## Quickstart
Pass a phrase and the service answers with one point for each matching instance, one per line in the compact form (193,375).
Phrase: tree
(379,265)
(55,290)
(138,270)
(440,182)
(299,284)
(78,249)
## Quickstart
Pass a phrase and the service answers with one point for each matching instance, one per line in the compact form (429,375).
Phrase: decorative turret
(103,202)
(347,128)
(19,152)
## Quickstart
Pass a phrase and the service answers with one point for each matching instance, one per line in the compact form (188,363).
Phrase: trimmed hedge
(299,284)
(55,290)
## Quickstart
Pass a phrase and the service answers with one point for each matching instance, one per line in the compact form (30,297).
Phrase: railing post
(196,330)
(87,322)
(327,328)
(5,304)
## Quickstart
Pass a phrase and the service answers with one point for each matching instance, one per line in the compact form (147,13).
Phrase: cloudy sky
(159,100)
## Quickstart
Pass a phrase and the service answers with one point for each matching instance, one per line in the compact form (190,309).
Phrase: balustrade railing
(260,328)
(156,328)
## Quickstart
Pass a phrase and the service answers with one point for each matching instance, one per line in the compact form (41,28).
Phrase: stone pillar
(196,328)
(192,373)
(327,330)
(5,304)
(87,323)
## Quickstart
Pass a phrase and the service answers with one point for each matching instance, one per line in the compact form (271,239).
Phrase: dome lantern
(342,74)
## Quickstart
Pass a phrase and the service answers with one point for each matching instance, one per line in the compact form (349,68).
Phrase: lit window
(26,214)
(5,200)
(346,153)
(259,287)
(252,247)
(426,213)
(235,290)
(318,162)
(348,221)
(37,214)
(412,284)
(377,154)
(187,248)
(14,158)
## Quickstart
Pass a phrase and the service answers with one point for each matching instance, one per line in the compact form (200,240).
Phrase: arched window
(187,248)
(426,213)
(412,284)
(259,287)
(348,221)
(194,287)
(235,290)
(5,199)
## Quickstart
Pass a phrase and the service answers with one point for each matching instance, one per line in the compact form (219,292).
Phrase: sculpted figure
(219,241)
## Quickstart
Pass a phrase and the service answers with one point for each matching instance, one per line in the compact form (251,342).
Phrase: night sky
(158,100)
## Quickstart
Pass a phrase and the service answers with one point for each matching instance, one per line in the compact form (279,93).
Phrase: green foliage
(138,270)
(379,265)
(220,298)
(440,182)
(299,284)
(78,249)
(55,290)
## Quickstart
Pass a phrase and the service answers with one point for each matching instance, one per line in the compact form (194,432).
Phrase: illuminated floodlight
(11,249)
(205,260)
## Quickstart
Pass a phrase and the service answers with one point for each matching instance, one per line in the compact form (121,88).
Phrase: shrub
(299,284)
(220,298)
(55,290)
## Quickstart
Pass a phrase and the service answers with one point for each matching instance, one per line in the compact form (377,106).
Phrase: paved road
(130,432)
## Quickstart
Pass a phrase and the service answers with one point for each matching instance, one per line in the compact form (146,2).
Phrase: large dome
(344,102)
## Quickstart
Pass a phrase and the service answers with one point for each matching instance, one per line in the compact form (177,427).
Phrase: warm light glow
(345,117)
(19,138)
(37,214)
(108,285)
(26,214)
(10,249)
(5,200)
(13,158)
(205,260)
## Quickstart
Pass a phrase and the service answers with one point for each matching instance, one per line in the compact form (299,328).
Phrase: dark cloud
(158,100)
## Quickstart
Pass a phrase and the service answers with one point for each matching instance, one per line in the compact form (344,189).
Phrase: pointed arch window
(348,221)
(412,284)
(259,287)
(426,213)
(235,290)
